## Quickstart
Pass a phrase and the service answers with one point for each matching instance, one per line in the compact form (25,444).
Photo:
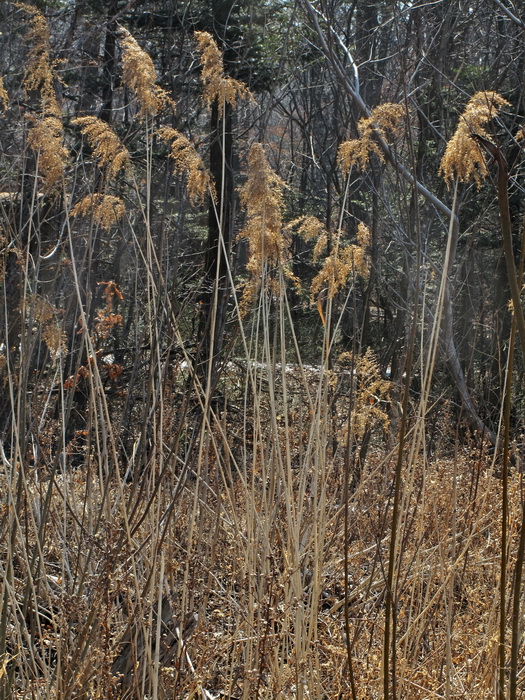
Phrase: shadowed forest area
(262,349)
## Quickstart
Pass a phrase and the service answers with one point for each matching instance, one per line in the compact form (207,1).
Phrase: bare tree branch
(359,102)
(447,335)
(510,14)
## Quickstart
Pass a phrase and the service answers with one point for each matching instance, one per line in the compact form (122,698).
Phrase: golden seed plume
(45,137)
(463,156)
(46,133)
(139,75)
(262,198)
(342,263)
(187,160)
(3,367)
(383,119)
(43,310)
(55,339)
(40,74)
(217,86)
(108,149)
(53,336)
(311,229)
(371,393)
(105,209)
(364,237)
(4,97)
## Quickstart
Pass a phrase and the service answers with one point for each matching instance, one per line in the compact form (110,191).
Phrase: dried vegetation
(188,540)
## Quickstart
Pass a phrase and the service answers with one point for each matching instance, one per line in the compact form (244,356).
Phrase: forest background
(261,349)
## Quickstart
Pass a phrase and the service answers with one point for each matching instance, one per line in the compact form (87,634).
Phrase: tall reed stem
(519,322)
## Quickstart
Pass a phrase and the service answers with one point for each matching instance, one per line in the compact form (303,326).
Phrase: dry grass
(188,541)
(248,551)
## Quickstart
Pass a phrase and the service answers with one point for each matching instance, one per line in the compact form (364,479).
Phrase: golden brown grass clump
(105,209)
(45,137)
(463,155)
(53,336)
(4,97)
(371,393)
(262,197)
(217,86)
(108,149)
(40,74)
(187,160)
(311,229)
(383,120)
(343,262)
(139,75)
(55,340)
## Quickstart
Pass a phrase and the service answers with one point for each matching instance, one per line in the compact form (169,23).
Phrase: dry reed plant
(45,138)
(383,120)
(46,135)
(297,470)
(105,209)
(217,86)
(311,229)
(262,198)
(162,540)
(40,75)
(343,262)
(139,75)
(108,149)
(464,157)
(52,334)
(4,97)
(372,393)
(217,648)
(187,160)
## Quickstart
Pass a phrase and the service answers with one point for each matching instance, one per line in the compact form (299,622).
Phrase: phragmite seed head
(355,152)
(371,393)
(53,336)
(55,339)
(343,263)
(311,229)
(217,86)
(262,198)
(105,209)
(40,74)
(108,149)
(364,237)
(4,97)
(139,75)
(45,137)
(44,311)
(187,160)
(383,120)
(463,157)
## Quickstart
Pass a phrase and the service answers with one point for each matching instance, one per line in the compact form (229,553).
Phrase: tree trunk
(215,291)
(108,71)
